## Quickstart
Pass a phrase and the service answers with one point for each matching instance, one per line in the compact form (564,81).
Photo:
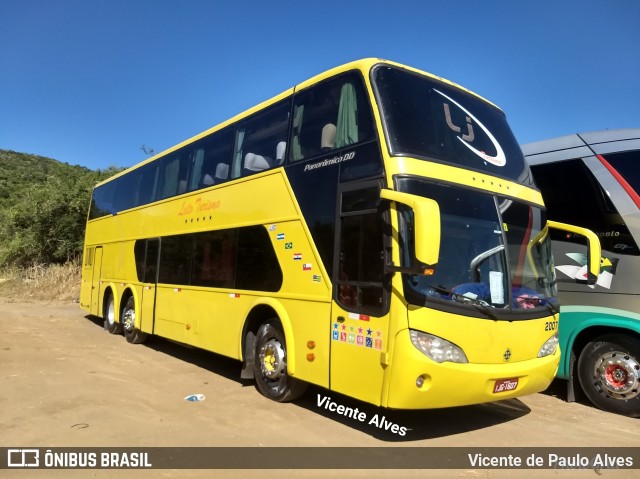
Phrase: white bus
(593,180)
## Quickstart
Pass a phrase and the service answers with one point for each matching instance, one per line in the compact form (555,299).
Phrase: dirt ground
(65,382)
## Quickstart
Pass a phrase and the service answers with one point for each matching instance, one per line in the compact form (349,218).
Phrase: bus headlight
(437,349)
(549,347)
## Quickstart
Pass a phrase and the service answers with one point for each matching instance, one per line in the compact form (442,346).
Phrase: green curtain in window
(347,127)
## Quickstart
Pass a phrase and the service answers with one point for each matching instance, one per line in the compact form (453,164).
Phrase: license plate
(504,385)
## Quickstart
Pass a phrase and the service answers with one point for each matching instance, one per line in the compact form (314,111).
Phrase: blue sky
(89,81)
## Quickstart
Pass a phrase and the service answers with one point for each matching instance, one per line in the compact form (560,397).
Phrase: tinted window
(492,250)
(257,265)
(331,115)
(147,185)
(628,165)
(361,256)
(573,195)
(174,173)
(126,188)
(430,119)
(470,227)
(139,252)
(138,187)
(241,258)
(146,256)
(214,261)
(175,259)
(102,201)
(151,261)
(211,160)
(261,140)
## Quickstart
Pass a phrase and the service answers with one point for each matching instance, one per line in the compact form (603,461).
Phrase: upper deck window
(627,163)
(429,119)
(584,202)
(329,116)
(260,142)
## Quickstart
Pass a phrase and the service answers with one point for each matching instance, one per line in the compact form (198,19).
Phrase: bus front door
(360,310)
(358,352)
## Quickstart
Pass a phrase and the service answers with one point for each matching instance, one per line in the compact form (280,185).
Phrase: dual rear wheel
(270,354)
(127,322)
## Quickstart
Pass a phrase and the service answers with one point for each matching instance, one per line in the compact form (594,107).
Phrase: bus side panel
(302,269)
(216,320)
(311,329)
(173,312)
(208,319)
(578,320)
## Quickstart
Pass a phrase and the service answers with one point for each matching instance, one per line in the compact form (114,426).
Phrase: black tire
(110,323)
(270,367)
(609,373)
(133,334)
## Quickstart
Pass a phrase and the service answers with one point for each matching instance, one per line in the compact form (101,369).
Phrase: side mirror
(594,250)
(426,217)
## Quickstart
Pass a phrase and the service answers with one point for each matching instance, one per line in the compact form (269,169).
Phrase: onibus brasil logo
(499,159)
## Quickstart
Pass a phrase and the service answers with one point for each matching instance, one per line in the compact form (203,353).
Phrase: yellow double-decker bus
(374,230)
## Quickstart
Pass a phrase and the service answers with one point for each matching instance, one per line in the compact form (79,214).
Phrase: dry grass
(42,282)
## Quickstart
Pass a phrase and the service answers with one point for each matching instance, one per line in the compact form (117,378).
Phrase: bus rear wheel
(133,334)
(110,323)
(270,369)
(609,373)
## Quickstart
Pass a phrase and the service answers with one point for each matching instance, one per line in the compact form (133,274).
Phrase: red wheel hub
(616,375)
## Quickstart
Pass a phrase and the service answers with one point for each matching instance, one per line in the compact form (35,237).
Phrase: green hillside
(43,206)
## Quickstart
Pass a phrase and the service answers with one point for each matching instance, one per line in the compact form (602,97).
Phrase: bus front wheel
(609,372)
(270,369)
(133,334)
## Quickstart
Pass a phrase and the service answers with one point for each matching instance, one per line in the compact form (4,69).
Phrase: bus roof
(580,145)
(364,65)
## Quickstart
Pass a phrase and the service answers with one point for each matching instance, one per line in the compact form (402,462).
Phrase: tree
(46,223)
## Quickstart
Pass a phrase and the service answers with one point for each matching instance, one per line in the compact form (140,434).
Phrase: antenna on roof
(147,150)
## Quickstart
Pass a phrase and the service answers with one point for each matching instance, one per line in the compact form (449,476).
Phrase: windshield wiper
(550,306)
(478,303)
(461,298)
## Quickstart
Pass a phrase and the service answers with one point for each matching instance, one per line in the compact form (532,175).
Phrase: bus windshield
(496,254)
(429,119)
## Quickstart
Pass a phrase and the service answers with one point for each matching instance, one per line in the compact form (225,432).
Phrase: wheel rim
(272,360)
(129,318)
(618,374)
(111,313)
